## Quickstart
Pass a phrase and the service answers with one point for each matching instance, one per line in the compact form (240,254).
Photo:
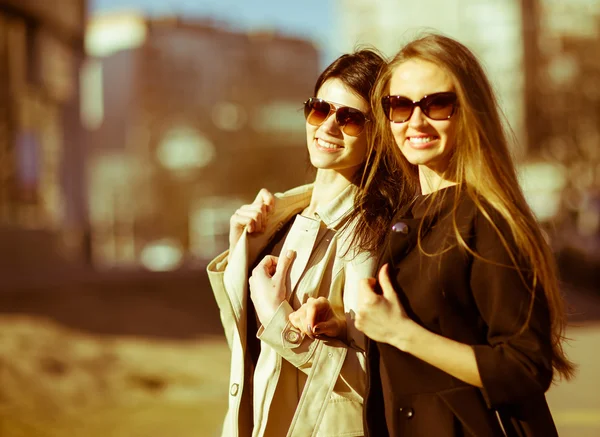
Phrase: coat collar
(333,214)
(436,204)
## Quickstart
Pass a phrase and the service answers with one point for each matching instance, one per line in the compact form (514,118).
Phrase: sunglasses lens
(439,106)
(351,120)
(316,111)
(399,109)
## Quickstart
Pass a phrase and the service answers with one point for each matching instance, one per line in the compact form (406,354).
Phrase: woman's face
(328,146)
(421,140)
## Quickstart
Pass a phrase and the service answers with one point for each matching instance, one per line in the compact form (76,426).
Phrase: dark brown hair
(380,180)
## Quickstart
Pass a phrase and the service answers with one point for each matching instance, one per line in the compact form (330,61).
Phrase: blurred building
(42,205)
(193,119)
(565,101)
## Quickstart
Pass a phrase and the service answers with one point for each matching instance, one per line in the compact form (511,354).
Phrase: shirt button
(400,227)
(292,336)
(233,391)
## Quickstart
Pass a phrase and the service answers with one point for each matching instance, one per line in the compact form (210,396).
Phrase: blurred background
(130,130)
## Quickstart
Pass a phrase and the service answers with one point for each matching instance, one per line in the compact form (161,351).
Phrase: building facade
(41,150)
(197,118)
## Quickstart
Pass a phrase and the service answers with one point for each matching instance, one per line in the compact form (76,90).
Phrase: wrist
(407,335)
(266,312)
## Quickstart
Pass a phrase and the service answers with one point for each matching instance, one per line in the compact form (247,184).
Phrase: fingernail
(289,253)
(310,329)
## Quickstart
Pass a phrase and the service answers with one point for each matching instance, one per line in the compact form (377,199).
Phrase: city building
(194,119)
(41,143)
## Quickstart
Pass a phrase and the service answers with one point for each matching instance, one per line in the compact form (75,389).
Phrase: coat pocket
(342,418)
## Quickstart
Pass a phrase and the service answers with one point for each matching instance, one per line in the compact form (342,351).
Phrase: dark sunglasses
(438,106)
(351,121)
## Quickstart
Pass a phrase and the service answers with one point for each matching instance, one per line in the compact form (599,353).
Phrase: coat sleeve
(216,274)
(287,340)
(299,350)
(517,361)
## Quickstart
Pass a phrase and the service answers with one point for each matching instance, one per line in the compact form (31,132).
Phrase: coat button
(233,391)
(406,412)
(400,227)
(292,336)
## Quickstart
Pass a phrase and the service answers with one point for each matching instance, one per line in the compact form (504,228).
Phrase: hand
(381,316)
(268,284)
(316,317)
(253,217)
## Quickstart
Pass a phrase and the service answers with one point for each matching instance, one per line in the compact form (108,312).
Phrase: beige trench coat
(333,371)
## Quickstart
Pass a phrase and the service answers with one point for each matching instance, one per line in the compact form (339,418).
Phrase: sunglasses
(438,106)
(351,121)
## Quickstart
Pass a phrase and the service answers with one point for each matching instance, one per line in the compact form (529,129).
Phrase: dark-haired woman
(309,245)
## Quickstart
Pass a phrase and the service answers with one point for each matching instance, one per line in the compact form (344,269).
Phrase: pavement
(150,361)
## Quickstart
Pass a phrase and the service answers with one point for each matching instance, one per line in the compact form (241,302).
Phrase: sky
(308,19)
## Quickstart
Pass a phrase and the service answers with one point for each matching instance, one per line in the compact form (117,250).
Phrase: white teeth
(327,145)
(421,140)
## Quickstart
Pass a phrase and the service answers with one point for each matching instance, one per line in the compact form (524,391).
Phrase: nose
(417,118)
(331,126)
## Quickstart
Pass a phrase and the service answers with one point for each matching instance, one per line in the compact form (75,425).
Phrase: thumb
(366,289)
(386,284)
(284,263)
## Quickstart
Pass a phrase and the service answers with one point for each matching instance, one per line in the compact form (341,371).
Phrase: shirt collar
(335,212)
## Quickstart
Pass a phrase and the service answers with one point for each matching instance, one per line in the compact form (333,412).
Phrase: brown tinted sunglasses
(351,120)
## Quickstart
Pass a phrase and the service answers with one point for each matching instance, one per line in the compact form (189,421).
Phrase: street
(135,363)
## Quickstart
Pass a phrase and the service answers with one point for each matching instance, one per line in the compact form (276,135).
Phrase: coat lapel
(302,241)
(250,246)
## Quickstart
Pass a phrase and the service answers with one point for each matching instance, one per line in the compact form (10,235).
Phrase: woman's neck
(328,185)
(431,180)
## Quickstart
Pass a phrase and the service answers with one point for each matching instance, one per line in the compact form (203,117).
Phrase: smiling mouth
(327,145)
(422,140)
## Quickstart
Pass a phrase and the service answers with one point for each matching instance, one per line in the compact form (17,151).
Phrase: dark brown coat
(480,302)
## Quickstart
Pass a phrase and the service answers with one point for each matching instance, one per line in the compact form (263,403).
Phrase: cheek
(357,145)
(448,131)
(398,132)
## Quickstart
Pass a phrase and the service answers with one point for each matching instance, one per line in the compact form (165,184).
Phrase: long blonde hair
(482,164)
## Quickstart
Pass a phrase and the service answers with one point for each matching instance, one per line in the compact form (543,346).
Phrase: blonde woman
(466,319)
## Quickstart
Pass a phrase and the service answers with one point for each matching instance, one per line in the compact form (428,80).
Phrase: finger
(309,318)
(317,310)
(330,328)
(284,263)
(253,220)
(386,284)
(298,320)
(268,264)
(241,218)
(295,319)
(265,197)
(258,212)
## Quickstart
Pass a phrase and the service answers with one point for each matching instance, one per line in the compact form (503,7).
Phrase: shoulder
(481,214)
(492,235)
